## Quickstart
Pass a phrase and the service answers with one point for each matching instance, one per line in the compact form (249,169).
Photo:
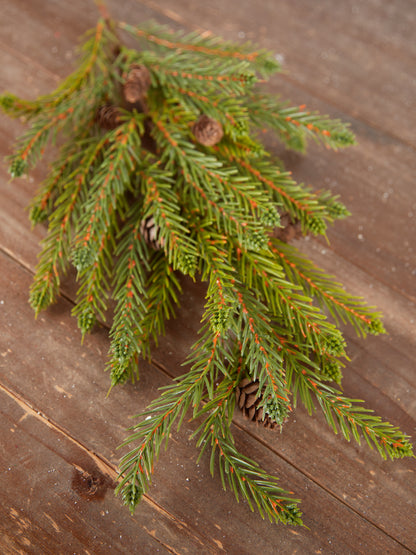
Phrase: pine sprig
(130,295)
(318,284)
(68,183)
(108,187)
(16,107)
(294,125)
(220,77)
(348,416)
(242,475)
(94,275)
(97,54)
(173,178)
(136,467)
(162,295)
(211,47)
(304,320)
(296,199)
(32,145)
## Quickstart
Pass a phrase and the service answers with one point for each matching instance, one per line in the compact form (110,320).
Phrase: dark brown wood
(59,431)
(57,497)
(69,396)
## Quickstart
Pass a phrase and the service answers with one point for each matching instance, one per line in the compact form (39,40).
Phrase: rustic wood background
(353,59)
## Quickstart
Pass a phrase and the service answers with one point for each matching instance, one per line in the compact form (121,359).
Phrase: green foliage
(351,418)
(294,126)
(270,313)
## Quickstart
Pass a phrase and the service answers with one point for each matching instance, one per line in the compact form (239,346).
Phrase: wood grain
(352,60)
(70,394)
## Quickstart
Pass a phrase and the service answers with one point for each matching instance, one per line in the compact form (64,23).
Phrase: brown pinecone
(137,83)
(207,131)
(290,230)
(150,233)
(248,399)
(108,116)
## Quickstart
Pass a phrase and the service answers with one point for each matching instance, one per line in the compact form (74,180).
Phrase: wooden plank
(18,241)
(68,387)
(56,497)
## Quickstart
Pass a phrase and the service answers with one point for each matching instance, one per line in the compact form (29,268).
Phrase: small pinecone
(248,401)
(207,131)
(108,116)
(150,233)
(290,230)
(137,83)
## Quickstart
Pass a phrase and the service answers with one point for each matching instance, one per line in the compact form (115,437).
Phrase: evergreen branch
(56,245)
(94,289)
(95,57)
(296,199)
(334,209)
(254,484)
(185,185)
(294,125)
(32,144)
(42,204)
(162,294)
(352,419)
(226,182)
(92,255)
(296,356)
(244,477)
(94,49)
(136,467)
(130,295)
(214,255)
(224,108)
(225,78)
(259,349)
(107,190)
(76,113)
(161,202)
(197,175)
(205,46)
(316,283)
(16,107)
(220,305)
(261,271)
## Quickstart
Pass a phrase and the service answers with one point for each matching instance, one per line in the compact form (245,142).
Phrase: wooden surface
(59,431)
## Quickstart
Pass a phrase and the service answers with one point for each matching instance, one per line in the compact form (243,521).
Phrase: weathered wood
(174,347)
(57,497)
(353,501)
(68,387)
